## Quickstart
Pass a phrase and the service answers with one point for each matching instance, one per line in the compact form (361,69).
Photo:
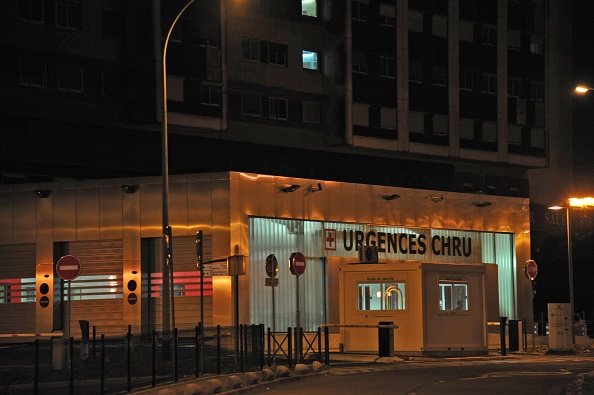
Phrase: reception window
(381,296)
(453,293)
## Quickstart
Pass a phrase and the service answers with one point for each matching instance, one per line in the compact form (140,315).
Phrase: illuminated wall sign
(404,243)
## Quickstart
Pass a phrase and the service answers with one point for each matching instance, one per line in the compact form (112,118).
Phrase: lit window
(210,95)
(387,67)
(310,60)
(311,113)
(277,108)
(175,89)
(381,296)
(309,8)
(453,294)
(67,15)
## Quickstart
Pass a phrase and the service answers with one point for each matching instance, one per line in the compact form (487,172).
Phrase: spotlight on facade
(312,189)
(482,204)
(42,193)
(289,188)
(129,188)
(393,196)
(435,198)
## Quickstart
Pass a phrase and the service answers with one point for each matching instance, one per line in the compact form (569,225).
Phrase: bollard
(502,324)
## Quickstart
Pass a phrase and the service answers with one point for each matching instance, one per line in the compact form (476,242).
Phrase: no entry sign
(297,263)
(68,267)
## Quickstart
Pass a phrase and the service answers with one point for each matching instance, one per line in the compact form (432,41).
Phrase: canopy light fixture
(435,198)
(42,193)
(482,204)
(129,188)
(290,188)
(393,196)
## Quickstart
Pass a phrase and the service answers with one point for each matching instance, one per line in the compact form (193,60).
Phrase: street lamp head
(581,202)
(582,89)
(556,207)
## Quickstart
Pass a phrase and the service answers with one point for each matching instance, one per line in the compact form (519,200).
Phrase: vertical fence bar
(197,351)
(218,349)
(36,372)
(154,357)
(246,338)
(261,345)
(102,363)
(201,326)
(319,344)
(502,324)
(242,349)
(129,358)
(94,333)
(326,346)
(290,346)
(268,340)
(175,372)
(71,352)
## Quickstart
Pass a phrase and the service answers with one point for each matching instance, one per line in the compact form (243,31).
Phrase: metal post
(570,269)
(165,186)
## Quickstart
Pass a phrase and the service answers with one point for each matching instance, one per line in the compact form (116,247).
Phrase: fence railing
(119,362)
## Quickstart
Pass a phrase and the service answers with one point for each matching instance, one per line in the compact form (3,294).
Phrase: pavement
(241,383)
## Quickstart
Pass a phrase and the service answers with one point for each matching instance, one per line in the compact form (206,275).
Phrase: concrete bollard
(251,378)
(317,366)
(193,389)
(282,371)
(214,386)
(301,369)
(234,381)
(267,374)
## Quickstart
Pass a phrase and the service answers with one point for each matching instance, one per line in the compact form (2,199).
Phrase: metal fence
(120,362)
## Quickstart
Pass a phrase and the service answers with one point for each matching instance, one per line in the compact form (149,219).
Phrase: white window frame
(252,45)
(514,87)
(277,106)
(440,76)
(357,7)
(453,294)
(387,67)
(489,84)
(214,92)
(489,35)
(69,8)
(467,80)
(537,91)
(387,15)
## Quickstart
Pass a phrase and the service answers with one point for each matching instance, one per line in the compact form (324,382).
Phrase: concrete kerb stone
(267,374)
(251,378)
(301,369)
(282,371)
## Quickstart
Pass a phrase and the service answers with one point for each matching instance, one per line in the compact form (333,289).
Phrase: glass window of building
(309,8)
(453,293)
(489,35)
(359,62)
(310,60)
(388,118)
(415,21)
(381,296)
(359,10)
(277,108)
(440,26)
(387,15)
(387,67)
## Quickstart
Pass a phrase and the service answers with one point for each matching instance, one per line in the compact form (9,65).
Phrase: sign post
(297,267)
(68,268)
(271,266)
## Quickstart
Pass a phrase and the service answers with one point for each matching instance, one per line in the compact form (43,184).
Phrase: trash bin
(386,339)
(514,335)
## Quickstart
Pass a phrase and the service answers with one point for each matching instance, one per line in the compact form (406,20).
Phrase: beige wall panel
(283,200)
(111,211)
(267,194)
(222,300)
(24,217)
(348,203)
(64,214)
(178,206)
(365,203)
(316,201)
(87,213)
(199,206)
(151,203)
(220,219)
(248,199)
(6,217)
(333,193)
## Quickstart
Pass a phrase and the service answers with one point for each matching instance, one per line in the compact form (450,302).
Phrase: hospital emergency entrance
(440,302)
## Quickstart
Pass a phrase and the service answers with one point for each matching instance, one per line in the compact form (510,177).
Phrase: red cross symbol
(330,239)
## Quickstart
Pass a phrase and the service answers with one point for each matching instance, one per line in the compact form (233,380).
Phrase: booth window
(453,293)
(381,296)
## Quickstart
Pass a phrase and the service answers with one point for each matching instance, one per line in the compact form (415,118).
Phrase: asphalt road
(540,375)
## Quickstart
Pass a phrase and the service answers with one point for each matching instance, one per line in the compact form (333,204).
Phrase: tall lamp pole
(570,268)
(168,294)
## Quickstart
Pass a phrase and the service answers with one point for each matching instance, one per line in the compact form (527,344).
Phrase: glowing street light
(582,89)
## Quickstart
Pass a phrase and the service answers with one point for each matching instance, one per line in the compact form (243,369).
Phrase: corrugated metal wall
(17,282)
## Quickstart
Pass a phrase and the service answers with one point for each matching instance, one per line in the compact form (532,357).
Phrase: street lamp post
(168,318)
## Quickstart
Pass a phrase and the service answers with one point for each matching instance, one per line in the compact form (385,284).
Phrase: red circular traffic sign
(297,263)
(68,267)
(531,269)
